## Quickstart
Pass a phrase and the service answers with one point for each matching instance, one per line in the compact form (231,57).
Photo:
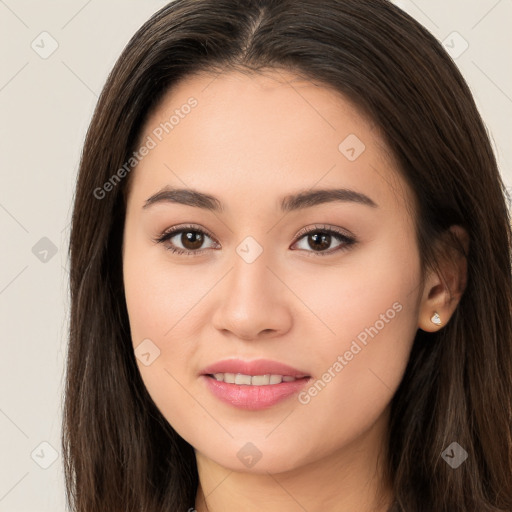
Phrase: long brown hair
(120,453)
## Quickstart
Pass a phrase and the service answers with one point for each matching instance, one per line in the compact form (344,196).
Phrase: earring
(436,319)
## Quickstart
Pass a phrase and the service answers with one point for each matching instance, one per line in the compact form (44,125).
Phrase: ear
(443,287)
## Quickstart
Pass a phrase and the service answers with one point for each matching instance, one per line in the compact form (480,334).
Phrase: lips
(257,367)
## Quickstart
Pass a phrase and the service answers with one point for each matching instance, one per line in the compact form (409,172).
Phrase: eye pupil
(193,238)
(322,239)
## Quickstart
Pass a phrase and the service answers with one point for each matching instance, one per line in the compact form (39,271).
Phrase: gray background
(45,108)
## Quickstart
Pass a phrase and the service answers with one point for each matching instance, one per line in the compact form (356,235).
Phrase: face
(323,294)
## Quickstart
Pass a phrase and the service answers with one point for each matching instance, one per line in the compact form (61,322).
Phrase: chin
(257,458)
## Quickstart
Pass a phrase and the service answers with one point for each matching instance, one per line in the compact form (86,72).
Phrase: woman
(290,271)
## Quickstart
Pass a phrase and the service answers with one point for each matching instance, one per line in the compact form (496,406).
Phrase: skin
(251,140)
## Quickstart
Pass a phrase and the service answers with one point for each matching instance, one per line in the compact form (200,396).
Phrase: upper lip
(255,367)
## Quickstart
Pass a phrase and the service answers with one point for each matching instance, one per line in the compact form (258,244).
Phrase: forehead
(257,134)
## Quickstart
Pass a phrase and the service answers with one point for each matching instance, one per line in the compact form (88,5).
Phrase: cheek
(160,297)
(161,313)
(371,295)
(369,316)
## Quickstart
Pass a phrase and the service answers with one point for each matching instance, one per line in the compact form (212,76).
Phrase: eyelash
(339,235)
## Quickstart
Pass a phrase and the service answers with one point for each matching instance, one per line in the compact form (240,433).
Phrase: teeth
(260,380)
(252,380)
(242,379)
(276,379)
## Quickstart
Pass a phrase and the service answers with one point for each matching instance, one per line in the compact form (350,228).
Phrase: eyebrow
(292,202)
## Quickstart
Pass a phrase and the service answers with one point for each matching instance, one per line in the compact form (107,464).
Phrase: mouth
(253,385)
(259,369)
(254,380)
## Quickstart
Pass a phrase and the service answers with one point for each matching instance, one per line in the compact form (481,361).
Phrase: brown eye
(192,240)
(184,240)
(320,239)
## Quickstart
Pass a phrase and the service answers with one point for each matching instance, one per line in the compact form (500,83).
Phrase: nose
(253,300)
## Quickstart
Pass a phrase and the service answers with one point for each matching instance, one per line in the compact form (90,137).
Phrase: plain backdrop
(55,57)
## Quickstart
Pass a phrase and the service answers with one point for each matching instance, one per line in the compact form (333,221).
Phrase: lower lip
(253,397)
